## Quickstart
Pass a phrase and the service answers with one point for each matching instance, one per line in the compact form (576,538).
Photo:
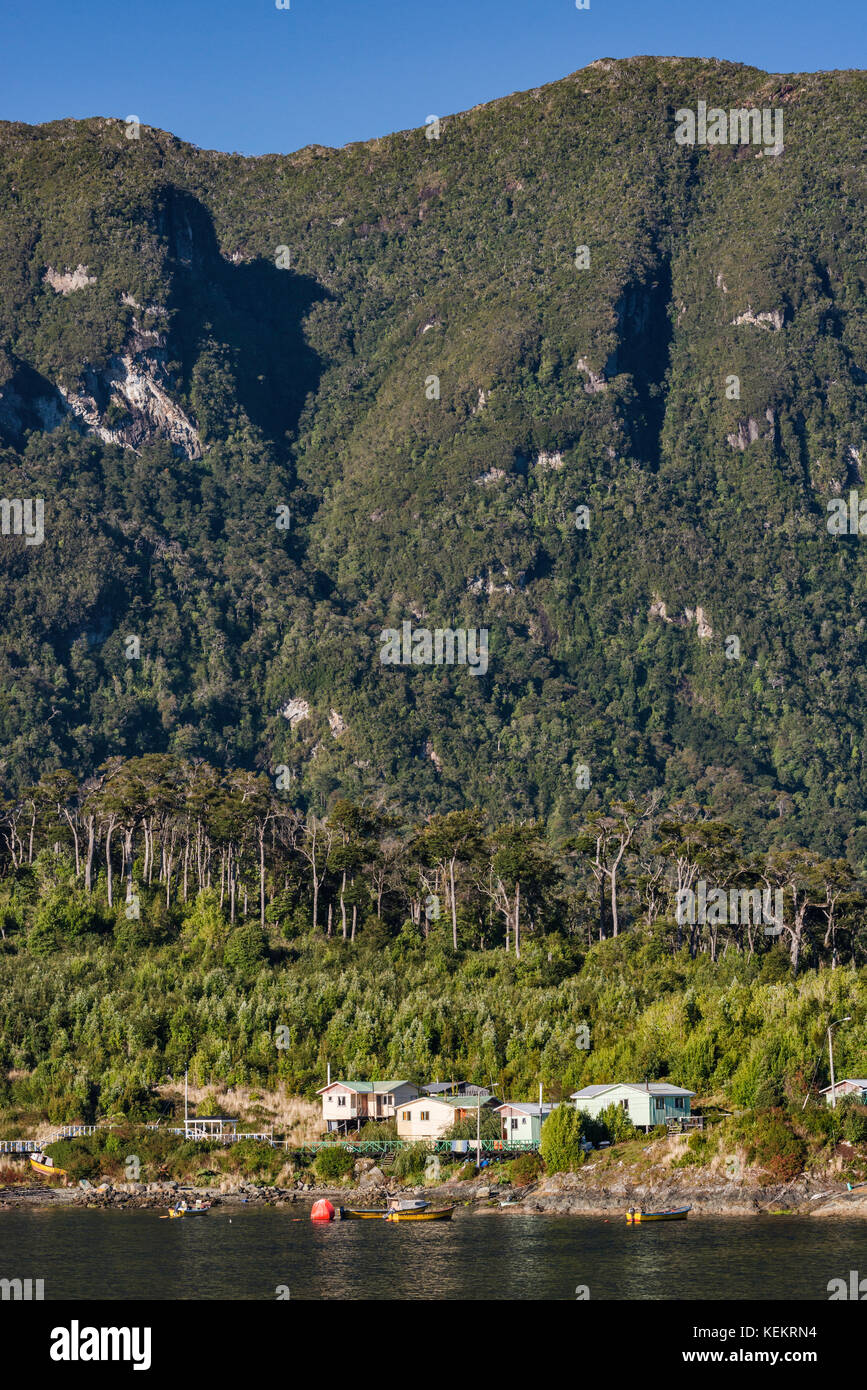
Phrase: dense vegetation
(255,944)
(454,257)
(231,837)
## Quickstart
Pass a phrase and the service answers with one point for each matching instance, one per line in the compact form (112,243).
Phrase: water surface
(248,1252)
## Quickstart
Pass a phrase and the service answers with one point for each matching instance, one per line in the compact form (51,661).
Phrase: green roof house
(648,1103)
(350,1104)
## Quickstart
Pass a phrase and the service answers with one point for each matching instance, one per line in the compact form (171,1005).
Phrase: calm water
(246,1253)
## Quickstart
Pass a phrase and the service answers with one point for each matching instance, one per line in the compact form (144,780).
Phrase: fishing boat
(405,1204)
(635,1218)
(432,1214)
(182,1209)
(41,1163)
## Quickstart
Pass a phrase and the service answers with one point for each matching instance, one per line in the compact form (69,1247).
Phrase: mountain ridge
(412,258)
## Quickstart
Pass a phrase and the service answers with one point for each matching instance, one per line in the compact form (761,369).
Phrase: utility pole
(479,1124)
(847,1019)
(186,1121)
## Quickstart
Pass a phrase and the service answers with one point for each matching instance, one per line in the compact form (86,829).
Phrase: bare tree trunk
(91,842)
(75,841)
(454,904)
(262,877)
(108,835)
(518,921)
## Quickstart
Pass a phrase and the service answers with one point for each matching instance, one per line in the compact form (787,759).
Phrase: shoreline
(558,1195)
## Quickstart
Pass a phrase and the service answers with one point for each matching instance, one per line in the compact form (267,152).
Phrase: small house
(430,1117)
(523,1120)
(350,1104)
(849,1086)
(648,1104)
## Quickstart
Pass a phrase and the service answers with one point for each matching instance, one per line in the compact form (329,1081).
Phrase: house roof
(654,1088)
(456,1102)
(437,1088)
(527,1107)
(846,1081)
(224,1119)
(365,1087)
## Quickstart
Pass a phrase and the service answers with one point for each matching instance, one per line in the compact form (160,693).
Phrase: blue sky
(243,75)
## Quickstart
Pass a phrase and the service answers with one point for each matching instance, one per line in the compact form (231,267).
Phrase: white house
(849,1086)
(647,1104)
(522,1120)
(350,1104)
(429,1117)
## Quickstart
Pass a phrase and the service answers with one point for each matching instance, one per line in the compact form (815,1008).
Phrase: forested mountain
(218,373)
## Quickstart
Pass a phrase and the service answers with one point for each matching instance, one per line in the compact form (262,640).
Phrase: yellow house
(429,1117)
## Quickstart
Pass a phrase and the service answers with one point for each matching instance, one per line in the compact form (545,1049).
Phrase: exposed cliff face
(127,403)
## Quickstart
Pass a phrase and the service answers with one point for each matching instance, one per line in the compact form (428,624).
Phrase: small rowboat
(440,1214)
(401,1204)
(635,1218)
(183,1210)
(41,1163)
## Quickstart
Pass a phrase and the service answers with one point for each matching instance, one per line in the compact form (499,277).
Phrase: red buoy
(322,1210)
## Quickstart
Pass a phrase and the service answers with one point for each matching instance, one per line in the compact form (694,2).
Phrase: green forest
(299,485)
(544,373)
(164,915)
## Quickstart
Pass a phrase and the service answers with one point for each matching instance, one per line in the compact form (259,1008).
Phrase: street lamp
(847,1019)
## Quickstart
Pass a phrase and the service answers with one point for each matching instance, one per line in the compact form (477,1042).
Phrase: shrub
(378,1129)
(616,1124)
(853,1120)
(333,1164)
(561,1140)
(246,948)
(410,1162)
(776,1146)
(699,1148)
(525,1169)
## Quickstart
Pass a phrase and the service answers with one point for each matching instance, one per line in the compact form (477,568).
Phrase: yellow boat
(41,1163)
(362,1213)
(441,1214)
(635,1218)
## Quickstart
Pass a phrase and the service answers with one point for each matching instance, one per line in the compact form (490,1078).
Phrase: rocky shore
(570,1194)
(560,1194)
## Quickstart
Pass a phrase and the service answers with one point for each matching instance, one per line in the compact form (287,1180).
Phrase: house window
(514,1124)
(660,1102)
(625,1104)
(523,1119)
(678,1102)
(341,1100)
(406,1115)
(424,1115)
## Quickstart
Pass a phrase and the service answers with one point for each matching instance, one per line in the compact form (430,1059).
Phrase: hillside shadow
(250,312)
